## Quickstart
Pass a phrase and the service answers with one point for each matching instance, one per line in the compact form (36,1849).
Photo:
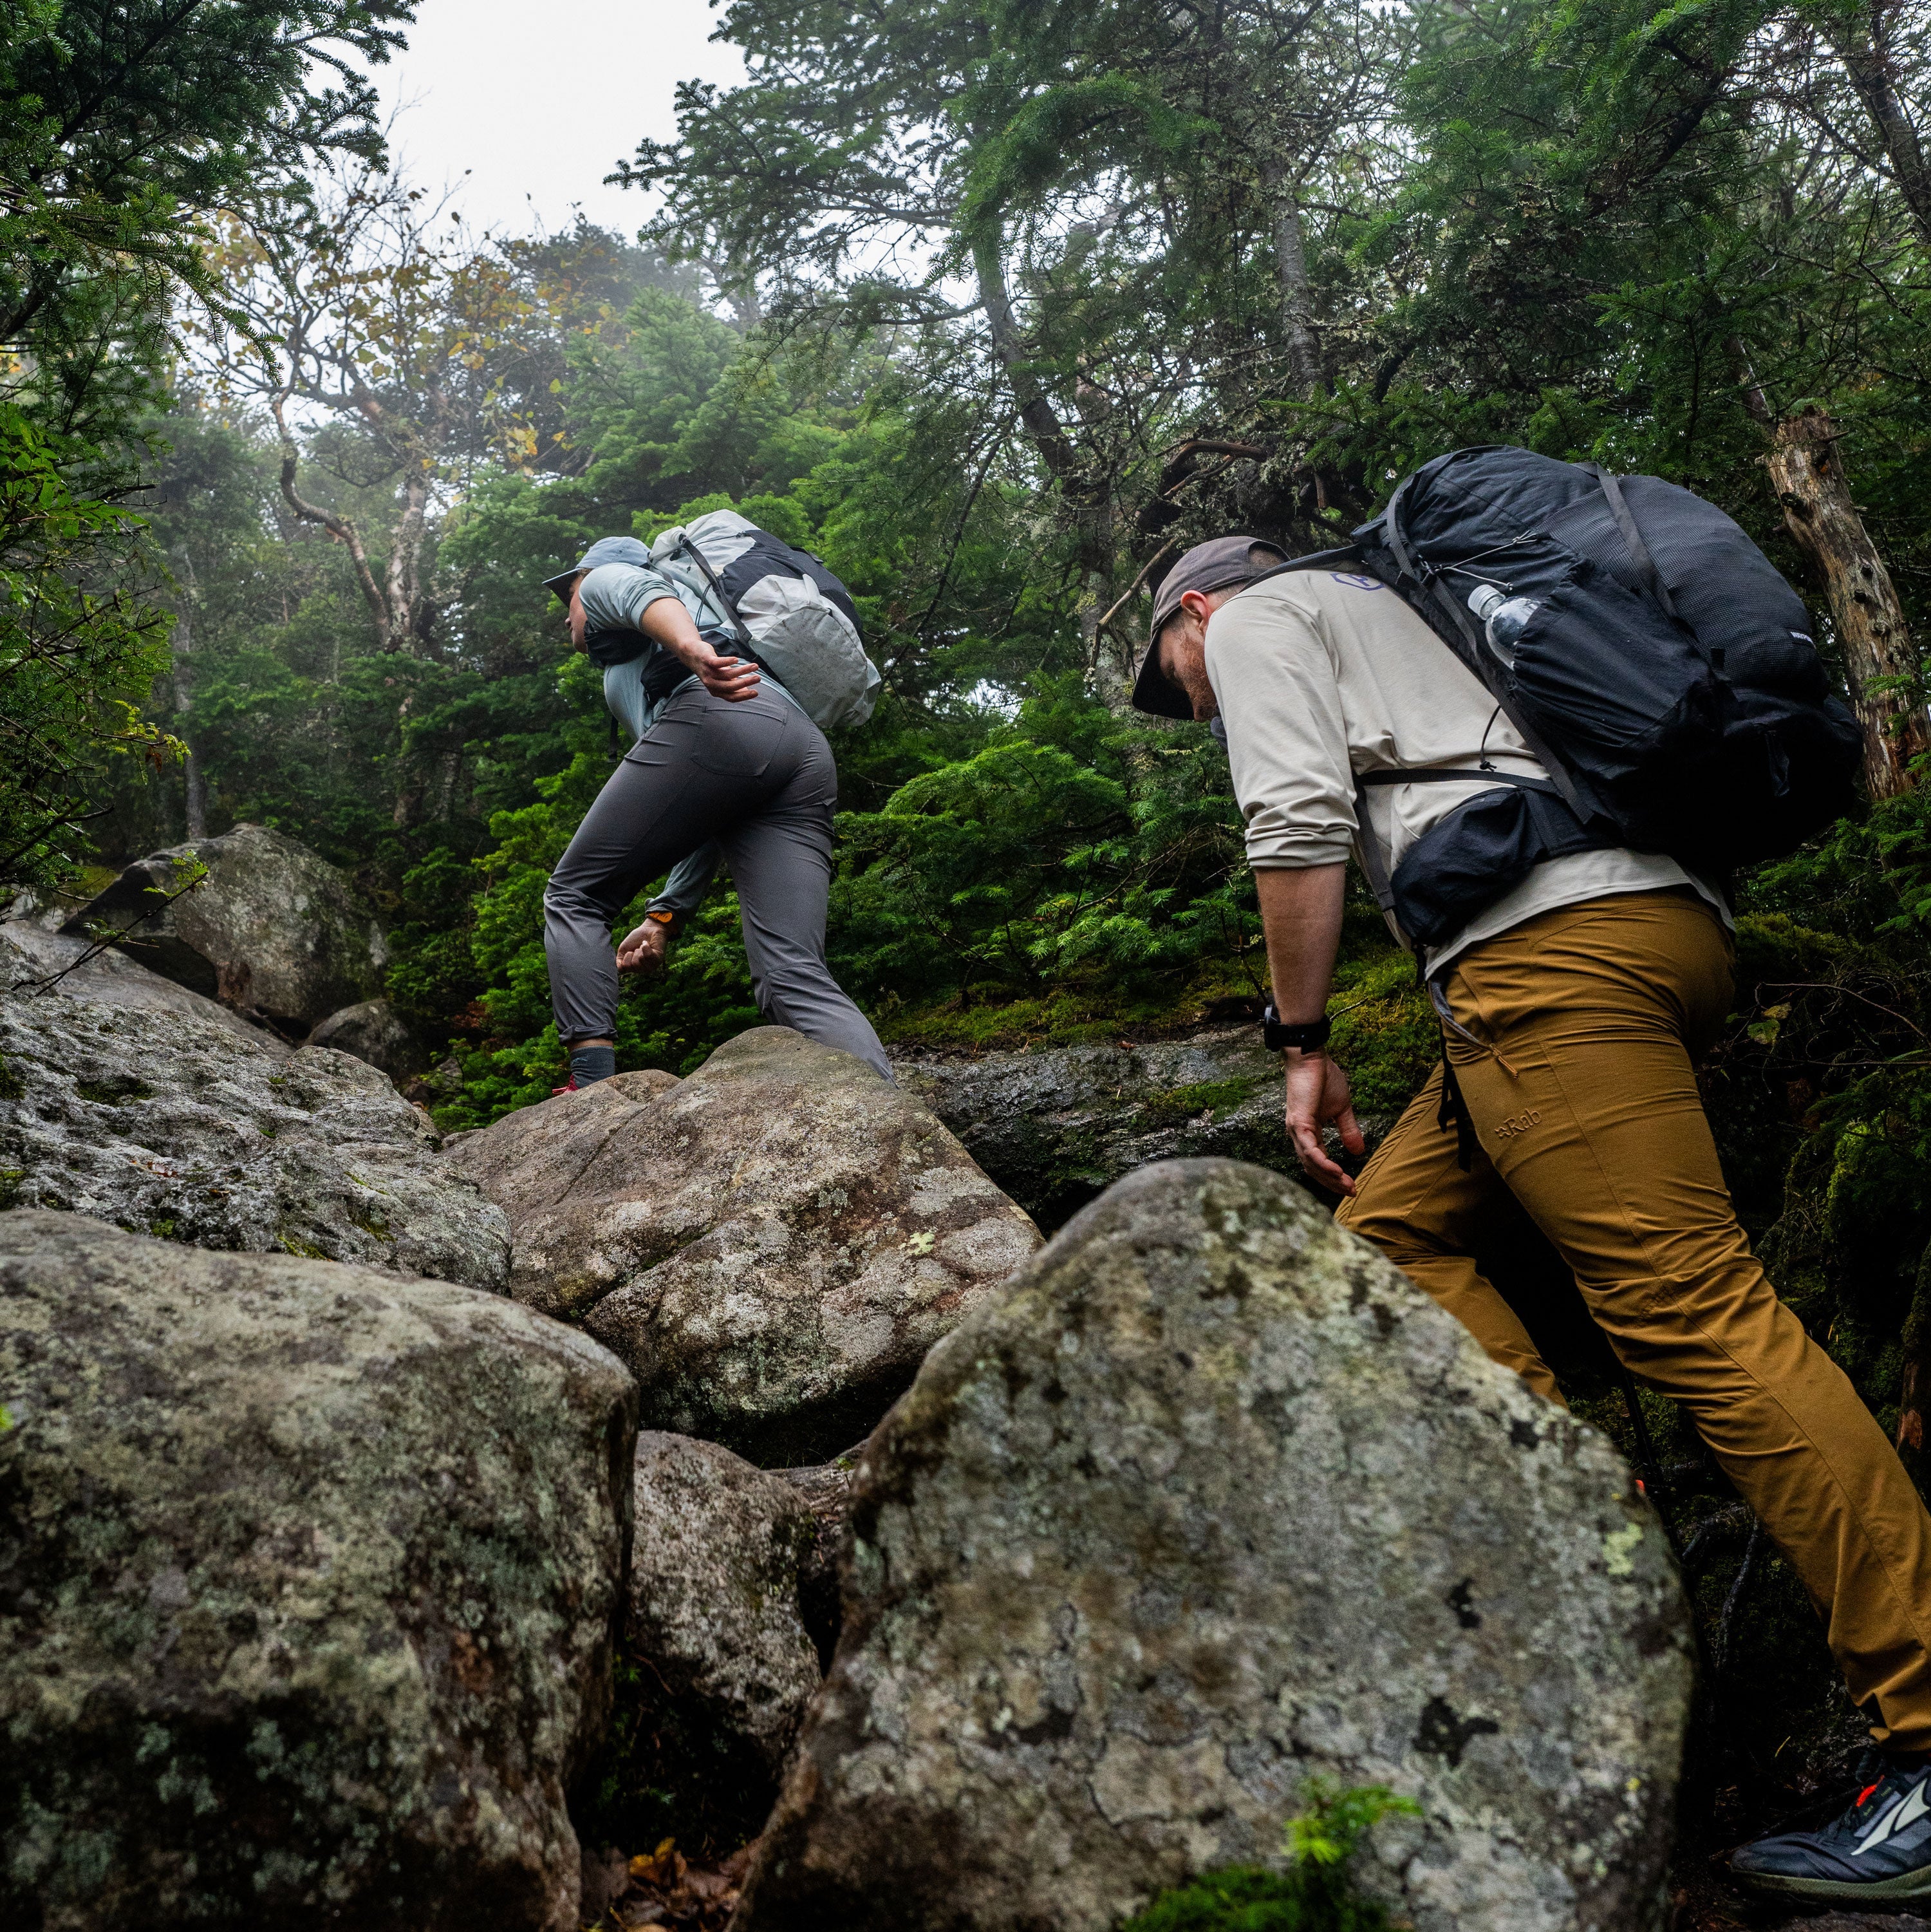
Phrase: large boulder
(308,1582)
(1055,1127)
(1209,1501)
(174,1124)
(772,1245)
(274,929)
(373,1030)
(34,955)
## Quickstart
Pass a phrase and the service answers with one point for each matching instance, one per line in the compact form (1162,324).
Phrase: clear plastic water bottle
(1503,618)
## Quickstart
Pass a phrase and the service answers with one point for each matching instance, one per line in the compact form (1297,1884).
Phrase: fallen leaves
(664,1887)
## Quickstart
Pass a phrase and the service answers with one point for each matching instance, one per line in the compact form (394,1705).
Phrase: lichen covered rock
(1055,1127)
(308,1582)
(274,928)
(722,1552)
(174,1124)
(1211,1499)
(32,955)
(772,1244)
(373,1030)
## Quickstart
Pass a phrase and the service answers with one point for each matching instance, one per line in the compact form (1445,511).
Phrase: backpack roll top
(784,607)
(1651,655)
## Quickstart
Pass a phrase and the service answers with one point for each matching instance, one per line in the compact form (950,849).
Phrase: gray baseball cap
(605,550)
(1220,564)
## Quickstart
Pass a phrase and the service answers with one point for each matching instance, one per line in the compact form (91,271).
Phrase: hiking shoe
(572,1088)
(1879,1849)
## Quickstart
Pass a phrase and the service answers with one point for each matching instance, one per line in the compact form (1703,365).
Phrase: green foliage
(1312,1895)
(80,646)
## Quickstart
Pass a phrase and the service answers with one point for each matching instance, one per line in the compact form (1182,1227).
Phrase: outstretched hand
(1317,1094)
(644,950)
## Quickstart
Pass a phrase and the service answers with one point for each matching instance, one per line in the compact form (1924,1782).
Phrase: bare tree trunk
(194,779)
(1109,650)
(1291,276)
(1036,407)
(344,532)
(1865,49)
(405,558)
(1879,664)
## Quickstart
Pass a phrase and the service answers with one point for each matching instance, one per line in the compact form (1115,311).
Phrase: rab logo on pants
(1520,1124)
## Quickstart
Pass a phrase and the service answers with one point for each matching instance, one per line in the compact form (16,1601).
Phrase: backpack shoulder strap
(684,546)
(1320,559)
(1633,538)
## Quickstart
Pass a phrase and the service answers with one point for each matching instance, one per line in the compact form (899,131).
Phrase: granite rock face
(309,1579)
(772,1244)
(1210,1499)
(373,1030)
(274,929)
(1055,1127)
(722,1552)
(174,1124)
(31,953)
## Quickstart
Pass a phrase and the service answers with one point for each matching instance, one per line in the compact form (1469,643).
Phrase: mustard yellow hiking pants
(1585,1108)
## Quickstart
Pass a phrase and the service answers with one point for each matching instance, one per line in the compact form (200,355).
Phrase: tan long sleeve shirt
(1322,676)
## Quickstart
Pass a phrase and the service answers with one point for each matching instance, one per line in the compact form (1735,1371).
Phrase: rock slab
(274,929)
(32,954)
(1055,1127)
(722,1553)
(175,1124)
(308,1582)
(772,1244)
(1210,1500)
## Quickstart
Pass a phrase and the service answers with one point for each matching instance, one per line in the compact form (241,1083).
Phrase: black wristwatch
(1313,1034)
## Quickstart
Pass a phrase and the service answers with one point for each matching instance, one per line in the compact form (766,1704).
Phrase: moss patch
(120,1091)
(1187,1103)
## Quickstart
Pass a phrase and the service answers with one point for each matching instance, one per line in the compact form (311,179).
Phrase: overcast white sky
(539,103)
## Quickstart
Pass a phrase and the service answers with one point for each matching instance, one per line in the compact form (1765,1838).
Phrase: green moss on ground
(1078,1013)
(1313,1894)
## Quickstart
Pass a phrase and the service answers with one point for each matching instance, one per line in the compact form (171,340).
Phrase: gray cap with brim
(1220,564)
(605,550)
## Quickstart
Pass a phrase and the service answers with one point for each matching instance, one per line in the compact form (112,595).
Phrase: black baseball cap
(1220,564)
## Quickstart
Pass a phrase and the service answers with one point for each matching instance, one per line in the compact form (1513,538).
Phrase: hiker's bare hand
(1318,1095)
(669,623)
(643,951)
(733,678)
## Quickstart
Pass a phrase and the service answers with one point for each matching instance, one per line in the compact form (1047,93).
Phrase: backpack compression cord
(1649,654)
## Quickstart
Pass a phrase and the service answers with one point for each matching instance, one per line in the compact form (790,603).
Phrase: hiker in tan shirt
(1576,1008)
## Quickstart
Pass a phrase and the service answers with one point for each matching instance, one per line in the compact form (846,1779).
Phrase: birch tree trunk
(1809,473)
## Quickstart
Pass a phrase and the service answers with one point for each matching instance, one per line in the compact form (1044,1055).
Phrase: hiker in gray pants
(726,766)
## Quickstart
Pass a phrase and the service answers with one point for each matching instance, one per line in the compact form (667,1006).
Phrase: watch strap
(1307,1036)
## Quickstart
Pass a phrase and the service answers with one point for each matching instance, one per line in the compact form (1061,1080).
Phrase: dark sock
(589,1064)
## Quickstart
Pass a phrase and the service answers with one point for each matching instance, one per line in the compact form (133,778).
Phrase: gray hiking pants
(757,777)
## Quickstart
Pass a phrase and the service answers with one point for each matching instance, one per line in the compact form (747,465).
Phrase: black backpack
(1651,655)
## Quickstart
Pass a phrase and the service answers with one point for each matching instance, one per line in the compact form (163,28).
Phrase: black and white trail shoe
(1879,1849)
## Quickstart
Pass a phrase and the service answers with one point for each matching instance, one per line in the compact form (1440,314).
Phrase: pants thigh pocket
(737,741)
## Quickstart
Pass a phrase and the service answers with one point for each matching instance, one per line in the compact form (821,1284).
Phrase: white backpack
(787,610)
